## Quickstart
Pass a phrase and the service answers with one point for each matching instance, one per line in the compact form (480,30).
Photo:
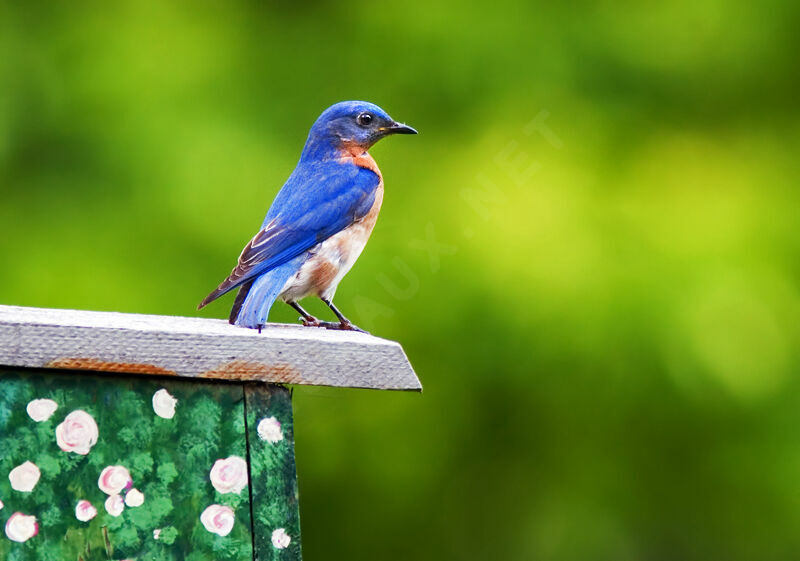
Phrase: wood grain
(200,348)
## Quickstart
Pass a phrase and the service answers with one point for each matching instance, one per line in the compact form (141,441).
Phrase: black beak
(398,128)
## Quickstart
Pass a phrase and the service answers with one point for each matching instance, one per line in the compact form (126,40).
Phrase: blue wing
(318,200)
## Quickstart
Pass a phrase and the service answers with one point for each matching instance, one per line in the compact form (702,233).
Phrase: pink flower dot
(21,527)
(85,511)
(229,475)
(78,433)
(114,479)
(218,519)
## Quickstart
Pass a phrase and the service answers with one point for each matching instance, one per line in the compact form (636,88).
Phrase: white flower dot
(134,498)
(115,505)
(280,539)
(164,404)
(24,477)
(269,429)
(41,409)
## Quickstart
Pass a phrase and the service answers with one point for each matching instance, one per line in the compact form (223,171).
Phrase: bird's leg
(344,323)
(307,319)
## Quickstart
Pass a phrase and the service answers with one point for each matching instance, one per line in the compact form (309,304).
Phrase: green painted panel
(276,518)
(112,441)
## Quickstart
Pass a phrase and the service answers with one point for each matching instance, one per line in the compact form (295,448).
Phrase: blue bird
(318,223)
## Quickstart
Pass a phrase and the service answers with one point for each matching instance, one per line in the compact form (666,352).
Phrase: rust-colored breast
(371,217)
(360,157)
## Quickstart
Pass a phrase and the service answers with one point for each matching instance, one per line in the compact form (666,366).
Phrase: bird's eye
(364,119)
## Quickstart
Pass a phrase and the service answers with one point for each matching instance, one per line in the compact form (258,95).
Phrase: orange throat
(356,153)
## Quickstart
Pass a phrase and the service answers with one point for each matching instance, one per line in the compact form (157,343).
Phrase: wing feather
(314,204)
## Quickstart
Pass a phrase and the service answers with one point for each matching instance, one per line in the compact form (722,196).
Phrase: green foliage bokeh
(590,253)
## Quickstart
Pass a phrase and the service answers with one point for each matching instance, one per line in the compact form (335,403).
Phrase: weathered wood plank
(198,347)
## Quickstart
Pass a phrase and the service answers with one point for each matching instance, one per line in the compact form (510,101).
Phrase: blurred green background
(591,253)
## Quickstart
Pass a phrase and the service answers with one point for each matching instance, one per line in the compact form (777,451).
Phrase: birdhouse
(155,438)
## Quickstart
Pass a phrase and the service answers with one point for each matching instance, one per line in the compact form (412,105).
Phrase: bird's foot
(310,321)
(341,326)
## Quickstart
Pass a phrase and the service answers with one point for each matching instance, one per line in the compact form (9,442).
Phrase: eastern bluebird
(318,223)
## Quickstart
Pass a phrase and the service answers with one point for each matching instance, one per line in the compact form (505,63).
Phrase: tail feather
(210,298)
(240,297)
(257,296)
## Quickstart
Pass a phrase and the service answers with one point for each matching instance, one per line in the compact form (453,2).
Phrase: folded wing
(316,202)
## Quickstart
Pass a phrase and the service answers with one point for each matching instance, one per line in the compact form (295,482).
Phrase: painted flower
(269,429)
(164,404)
(84,511)
(41,409)
(156,533)
(280,539)
(134,497)
(113,479)
(78,433)
(218,519)
(24,477)
(115,505)
(229,475)
(21,527)
(1,505)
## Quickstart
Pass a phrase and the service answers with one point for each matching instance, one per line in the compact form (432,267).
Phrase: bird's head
(349,125)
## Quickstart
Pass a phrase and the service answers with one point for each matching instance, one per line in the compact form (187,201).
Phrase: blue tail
(263,292)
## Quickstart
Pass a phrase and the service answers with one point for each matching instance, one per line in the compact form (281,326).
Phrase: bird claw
(341,326)
(310,321)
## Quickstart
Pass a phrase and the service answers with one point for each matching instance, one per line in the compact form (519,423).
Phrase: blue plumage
(264,291)
(318,222)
